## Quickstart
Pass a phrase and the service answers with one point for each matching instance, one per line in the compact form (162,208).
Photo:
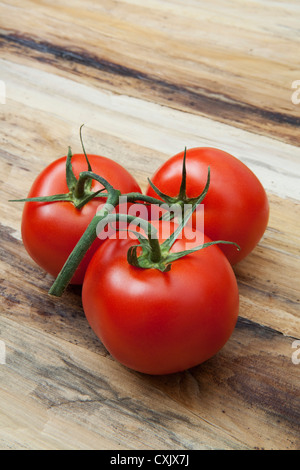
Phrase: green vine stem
(153,254)
(73,261)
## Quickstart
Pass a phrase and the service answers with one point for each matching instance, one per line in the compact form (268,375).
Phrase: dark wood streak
(251,289)
(222,107)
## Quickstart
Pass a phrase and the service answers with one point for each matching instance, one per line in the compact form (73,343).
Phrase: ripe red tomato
(51,230)
(236,206)
(161,322)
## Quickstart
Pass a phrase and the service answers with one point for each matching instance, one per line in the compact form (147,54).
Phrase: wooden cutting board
(148,79)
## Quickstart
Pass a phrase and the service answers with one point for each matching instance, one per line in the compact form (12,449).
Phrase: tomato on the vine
(236,206)
(161,322)
(50,230)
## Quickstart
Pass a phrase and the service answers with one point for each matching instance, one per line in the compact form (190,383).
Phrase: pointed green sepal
(88,183)
(55,198)
(180,254)
(182,191)
(70,177)
(82,202)
(170,200)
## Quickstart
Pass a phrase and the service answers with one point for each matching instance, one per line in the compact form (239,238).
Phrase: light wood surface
(148,79)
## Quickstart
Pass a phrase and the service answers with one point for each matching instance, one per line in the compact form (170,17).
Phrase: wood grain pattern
(147,80)
(200,58)
(211,406)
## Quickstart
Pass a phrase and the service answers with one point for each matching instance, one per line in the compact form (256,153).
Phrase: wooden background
(148,79)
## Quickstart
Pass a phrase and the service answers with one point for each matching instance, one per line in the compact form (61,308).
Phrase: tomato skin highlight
(161,323)
(51,230)
(236,207)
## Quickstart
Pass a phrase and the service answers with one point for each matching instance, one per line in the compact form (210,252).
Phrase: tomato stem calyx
(79,189)
(165,257)
(181,199)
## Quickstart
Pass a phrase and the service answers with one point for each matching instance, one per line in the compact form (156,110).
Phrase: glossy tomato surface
(161,322)
(236,206)
(51,230)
